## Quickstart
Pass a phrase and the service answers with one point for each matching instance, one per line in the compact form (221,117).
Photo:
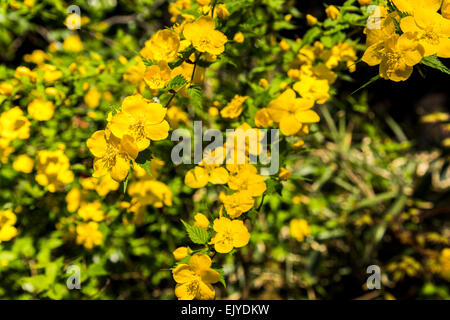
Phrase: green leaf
(366,84)
(125,183)
(196,234)
(435,63)
(148,62)
(177,82)
(186,53)
(195,95)
(222,277)
(311,35)
(144,160)
(175,63)
(274,186)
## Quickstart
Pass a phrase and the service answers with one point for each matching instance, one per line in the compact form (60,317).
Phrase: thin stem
(213,7)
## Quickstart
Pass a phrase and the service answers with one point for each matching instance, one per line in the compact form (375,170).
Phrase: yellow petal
(372,55)
(444,48)
(289,125)
(97,144)
(134,105)
(205,291)
(196,178)
(158,131)
(183,292)
(199,262)
(218,176)
(155,113)
(408,24)
(307,116)
(183,273)
(120,169)
(120,124)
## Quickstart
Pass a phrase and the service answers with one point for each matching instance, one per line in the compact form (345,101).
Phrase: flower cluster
(405,33)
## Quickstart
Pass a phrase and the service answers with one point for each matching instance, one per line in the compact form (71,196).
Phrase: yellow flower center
(392,60)
(138,129)
(192,287)
(110,156)
(430,36)
(3,221)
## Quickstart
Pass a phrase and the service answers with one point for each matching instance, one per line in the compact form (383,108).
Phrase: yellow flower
(244,142)
(51,74)
(311,20)
(238,203)
(284,174)
(88,235)
(313,89)
(396,56)
(135,73)
(102,185)
(92,98)
(53,170)
(157,76)
(341,52)
(263,83)
(284,45)
(201,221)
(7,229)
(73,199)
(140,119)
(445,263)
(163,46)
(414,6)
(298,145)
(247,179)
(91,211)
(208,170)
(14,125)
(234,108)
(41,110)
(332,12)
(194,279)
(229,234)
(5,150)
(262,118)
(181,252)
(51,91)
(291,112)
(445,10)
(23,163)
(431,30)
(221,12)
(299,229)
(150,192)
(22,71)
(73,43)
(112,155)
(213,111)
(203,2)
(239,37)
(364,2)
(36,57)
(204,37)
(6,88)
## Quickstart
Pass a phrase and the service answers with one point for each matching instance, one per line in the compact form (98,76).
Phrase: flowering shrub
(93,120)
